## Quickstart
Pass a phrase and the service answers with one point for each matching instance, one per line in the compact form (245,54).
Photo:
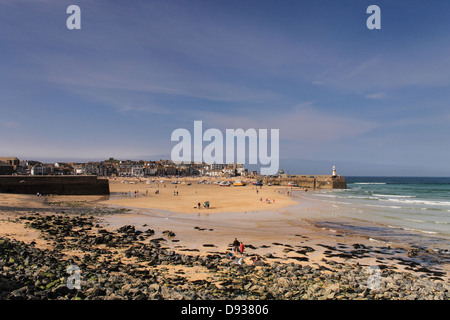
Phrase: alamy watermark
(73,22)
(74,280)
(374,279)
(232,150)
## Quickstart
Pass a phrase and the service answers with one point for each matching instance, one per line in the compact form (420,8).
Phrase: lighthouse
(334,171)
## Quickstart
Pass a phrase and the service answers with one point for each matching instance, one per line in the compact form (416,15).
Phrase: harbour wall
(59,185)
(317,181)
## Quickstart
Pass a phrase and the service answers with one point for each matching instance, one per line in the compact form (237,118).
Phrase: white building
(40,170)
(137,171)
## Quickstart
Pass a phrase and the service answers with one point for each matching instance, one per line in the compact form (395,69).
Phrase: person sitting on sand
(229,255)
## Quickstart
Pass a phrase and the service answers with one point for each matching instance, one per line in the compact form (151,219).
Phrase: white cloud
(303,123)
(376,96)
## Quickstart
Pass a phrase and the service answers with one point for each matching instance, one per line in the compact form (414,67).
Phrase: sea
(413,210)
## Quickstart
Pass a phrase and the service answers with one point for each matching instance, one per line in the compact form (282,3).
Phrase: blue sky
(372,102)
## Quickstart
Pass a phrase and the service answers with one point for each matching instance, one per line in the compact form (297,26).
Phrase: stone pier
(305,181)
(59,185)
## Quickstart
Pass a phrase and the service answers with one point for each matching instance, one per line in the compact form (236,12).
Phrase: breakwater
(60,185)
(308,181)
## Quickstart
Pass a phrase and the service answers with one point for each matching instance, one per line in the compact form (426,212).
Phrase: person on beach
(199,205)
(236,244)
(241,248)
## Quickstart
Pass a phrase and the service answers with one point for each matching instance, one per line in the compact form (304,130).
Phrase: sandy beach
(182,197)
(283,232)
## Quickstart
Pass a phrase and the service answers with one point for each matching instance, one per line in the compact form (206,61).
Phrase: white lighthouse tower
(334,171)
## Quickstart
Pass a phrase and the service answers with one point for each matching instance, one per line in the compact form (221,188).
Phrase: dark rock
(169,233)
(60,290)
(19,294)
(127,229)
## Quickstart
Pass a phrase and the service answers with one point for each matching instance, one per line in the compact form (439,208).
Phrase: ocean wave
(361,197)
(415,220)
(326,195)
(412,229)
(392,195)
(426,202)
(418,230)
(382,206)
(423,221)
(369,182)
(377,240)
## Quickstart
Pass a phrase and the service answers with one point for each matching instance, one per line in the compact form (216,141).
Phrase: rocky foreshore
(137,265)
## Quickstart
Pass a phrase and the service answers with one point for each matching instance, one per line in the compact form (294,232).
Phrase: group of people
(238,247)
(136,193)
(267,200)
(205,205)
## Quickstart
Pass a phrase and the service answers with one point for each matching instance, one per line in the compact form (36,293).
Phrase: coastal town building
(41,170)
(125,170)
(6,169)
(137,171)
(121,168)
(12,161)
(148,171)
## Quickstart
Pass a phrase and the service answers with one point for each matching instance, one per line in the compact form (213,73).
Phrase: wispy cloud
(9,124)
(376,96)
(302,123)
